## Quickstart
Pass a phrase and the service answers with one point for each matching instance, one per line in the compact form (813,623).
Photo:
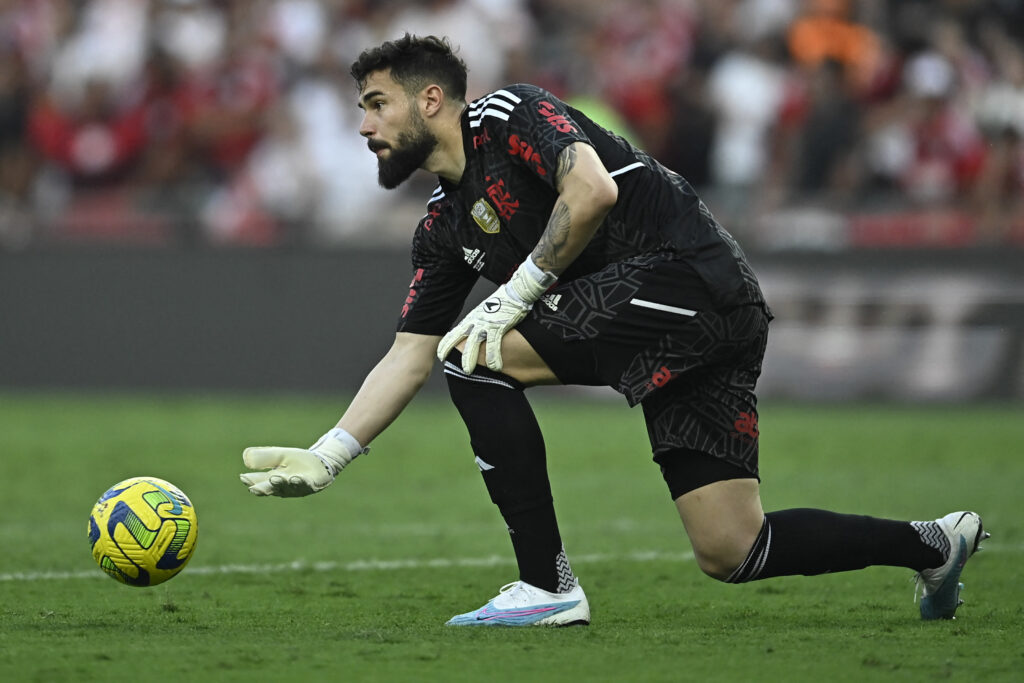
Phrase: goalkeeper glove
(297,472)
(495,316)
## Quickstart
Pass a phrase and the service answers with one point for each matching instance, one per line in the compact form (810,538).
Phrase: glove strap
(529,282)
(336,449)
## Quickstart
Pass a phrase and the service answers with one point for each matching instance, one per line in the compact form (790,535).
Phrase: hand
(297,471)
(495,316)
(488,323)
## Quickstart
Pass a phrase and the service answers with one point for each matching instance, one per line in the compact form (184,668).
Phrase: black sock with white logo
(509,449)
(806,541)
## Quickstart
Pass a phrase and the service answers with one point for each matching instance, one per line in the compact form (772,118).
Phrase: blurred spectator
(691,129)
(947,151)
(747,88)
(828,30)
(17,163)
(96,137)
(825,159)
(999,110)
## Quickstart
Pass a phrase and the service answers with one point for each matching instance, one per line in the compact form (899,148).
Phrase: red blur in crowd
(95,141)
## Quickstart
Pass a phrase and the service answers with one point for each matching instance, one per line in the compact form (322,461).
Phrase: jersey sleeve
(440,283)
(539,127)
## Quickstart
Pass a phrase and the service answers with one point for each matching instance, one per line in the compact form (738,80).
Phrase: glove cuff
(529,282)
(336,449)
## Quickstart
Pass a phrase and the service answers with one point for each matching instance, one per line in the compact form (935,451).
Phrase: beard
(411,152)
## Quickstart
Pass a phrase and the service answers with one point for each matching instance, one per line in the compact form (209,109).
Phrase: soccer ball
(143,531)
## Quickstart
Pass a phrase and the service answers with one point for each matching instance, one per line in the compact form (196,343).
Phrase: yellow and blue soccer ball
(143,531)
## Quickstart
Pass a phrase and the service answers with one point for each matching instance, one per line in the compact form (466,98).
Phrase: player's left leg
(703,426)
(735,542)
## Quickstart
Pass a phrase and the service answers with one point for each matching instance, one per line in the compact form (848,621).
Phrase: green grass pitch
(355,583)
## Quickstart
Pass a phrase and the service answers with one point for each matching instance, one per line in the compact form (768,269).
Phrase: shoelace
(512,589)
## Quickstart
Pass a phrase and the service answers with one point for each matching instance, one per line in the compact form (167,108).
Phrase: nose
(365,129)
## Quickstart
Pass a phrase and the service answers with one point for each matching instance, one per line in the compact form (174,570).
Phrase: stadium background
(185,203)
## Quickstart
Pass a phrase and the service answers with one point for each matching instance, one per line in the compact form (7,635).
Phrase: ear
(431,100)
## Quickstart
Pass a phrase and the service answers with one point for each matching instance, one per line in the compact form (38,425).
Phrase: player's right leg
(510,454)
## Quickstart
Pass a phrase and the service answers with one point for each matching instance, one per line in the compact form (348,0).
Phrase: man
(614,273)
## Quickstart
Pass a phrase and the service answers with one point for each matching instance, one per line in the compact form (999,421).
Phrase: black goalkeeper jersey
(490,221)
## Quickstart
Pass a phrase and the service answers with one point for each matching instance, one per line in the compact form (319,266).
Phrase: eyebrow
(369,96)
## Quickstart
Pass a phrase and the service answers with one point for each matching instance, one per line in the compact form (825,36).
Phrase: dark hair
(415,63)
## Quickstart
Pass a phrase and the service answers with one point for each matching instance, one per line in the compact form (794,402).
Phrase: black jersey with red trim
(489,222)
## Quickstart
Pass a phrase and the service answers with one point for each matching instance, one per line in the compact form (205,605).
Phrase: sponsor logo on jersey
(559,121)
(474,257)
(551,301)
(485,217)
(481,139)
(428,220)
(501,198)
(518,147)
(433,208)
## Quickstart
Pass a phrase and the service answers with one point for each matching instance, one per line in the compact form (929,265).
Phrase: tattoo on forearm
(549,254)
(566,162)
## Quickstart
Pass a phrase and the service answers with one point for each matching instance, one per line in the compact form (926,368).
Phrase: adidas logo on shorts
(551,301)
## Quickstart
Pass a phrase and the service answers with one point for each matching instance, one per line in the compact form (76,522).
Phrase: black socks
(509,448)
(806,541)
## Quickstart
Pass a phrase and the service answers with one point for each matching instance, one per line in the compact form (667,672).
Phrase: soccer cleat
(941,586)
(520,604)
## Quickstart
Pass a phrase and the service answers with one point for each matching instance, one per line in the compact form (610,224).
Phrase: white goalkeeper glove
(297,471)
(495,316)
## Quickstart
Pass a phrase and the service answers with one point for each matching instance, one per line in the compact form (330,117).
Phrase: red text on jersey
(411,298)
(662,376)
(518,147)
(560,122)
(432,212)
(481,139)
(747,424)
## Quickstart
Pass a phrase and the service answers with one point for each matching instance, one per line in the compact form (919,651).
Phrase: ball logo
(142,531)
(492,305)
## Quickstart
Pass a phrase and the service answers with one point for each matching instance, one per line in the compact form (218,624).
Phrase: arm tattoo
(566,162)
(549,252)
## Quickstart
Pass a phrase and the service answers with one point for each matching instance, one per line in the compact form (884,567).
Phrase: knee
(720,558)
(723,521)
(722,548)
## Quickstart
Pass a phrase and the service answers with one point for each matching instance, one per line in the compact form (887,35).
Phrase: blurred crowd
(233,122)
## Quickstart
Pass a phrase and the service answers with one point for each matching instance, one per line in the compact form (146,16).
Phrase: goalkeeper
(609,271)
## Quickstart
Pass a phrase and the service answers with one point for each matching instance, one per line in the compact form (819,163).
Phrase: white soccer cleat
(941,586)
(520,604)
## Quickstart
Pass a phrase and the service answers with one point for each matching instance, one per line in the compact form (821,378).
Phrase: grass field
(355,583)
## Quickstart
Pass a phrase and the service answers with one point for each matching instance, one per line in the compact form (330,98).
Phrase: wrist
(336,449)
(529,282)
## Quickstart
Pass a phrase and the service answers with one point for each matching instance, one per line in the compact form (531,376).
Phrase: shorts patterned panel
(647,328)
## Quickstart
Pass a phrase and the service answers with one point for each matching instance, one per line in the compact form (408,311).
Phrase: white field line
(357,565)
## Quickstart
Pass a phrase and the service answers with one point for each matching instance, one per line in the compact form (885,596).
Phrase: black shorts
(648,329)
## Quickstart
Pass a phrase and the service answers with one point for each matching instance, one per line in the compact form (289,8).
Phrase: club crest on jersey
(485,217)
